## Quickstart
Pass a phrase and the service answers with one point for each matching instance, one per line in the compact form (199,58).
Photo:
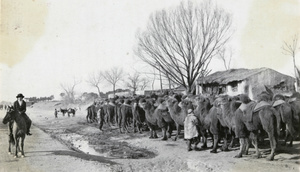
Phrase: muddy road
(71,144)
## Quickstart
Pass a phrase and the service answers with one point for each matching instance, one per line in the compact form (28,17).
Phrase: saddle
(260,105)
(247,110)
(252,107)
(278,102)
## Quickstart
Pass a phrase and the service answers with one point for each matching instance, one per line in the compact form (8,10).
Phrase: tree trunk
(99,92)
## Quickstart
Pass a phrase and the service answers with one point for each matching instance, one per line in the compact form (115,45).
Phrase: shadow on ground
(79,155)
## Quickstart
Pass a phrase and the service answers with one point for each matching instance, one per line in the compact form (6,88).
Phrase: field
(136,152)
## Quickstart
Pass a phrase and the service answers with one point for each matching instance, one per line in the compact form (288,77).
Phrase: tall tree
(69,89)
(291,50)
(181,42)
(94,80)
(113,76)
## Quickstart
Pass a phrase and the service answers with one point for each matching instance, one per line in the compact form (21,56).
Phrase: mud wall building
(245,81)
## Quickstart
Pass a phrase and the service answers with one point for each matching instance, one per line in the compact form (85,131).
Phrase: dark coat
(20,108)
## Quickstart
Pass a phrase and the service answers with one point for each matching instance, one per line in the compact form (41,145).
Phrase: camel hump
(245,106)
(261,105)
(278,102)
(162,107)
(247,109)
(292,99)
(111,103)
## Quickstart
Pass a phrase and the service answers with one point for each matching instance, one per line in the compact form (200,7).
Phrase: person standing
(20,106)
(191,133)
(55,113)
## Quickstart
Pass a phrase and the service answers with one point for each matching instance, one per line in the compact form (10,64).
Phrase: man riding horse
(20,106)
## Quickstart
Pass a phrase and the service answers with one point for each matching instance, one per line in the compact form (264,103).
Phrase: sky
(45,43)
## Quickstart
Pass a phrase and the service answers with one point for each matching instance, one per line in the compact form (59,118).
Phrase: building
(245,81)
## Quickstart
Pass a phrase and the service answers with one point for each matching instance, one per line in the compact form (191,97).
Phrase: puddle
(80,144)
(84,146)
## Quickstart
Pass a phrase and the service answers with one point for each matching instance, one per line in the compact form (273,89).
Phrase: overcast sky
(48,42)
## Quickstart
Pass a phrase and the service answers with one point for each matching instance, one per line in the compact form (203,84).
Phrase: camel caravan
(248,115)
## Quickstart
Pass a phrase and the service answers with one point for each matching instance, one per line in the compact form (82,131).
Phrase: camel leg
(225,144)
(255,144)
(126,128)
(247,145)
(242,147)
(290,129)
(177,132)
(169,131)
(273,146)
(151,134)
(286,137)
(155,134)
(204,146)
(164,132)
(135,126)
(215,146)
(231,145)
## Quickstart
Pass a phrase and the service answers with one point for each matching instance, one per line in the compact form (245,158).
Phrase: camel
(91,113)
(178,113)
(151,119)
(111,111)
(126,116)
(208,121)
(226,107)
(294,101)
(286,116)
(138,116)
(263,118)
(157,117)
(285,113)
(118,104)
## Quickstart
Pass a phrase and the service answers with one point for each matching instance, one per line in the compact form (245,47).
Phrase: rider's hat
(20,95)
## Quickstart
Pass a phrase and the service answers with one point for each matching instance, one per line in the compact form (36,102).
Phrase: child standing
(191,133)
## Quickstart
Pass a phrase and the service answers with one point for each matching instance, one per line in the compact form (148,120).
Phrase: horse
(18,131)
(71,111)
(63,111)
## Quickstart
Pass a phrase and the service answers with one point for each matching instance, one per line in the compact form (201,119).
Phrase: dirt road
(45,154)
(111,151)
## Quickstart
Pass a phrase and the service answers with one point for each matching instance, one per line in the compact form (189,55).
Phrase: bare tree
(69,89)
(113,76)
(94,80)
(291,50)
(225,55)
(144,83)
(181,42)
(136,82)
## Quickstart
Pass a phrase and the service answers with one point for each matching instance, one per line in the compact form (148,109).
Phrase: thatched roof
(225,77)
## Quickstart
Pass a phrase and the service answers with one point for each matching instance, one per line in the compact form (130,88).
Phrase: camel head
(171,102)
(146,104)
